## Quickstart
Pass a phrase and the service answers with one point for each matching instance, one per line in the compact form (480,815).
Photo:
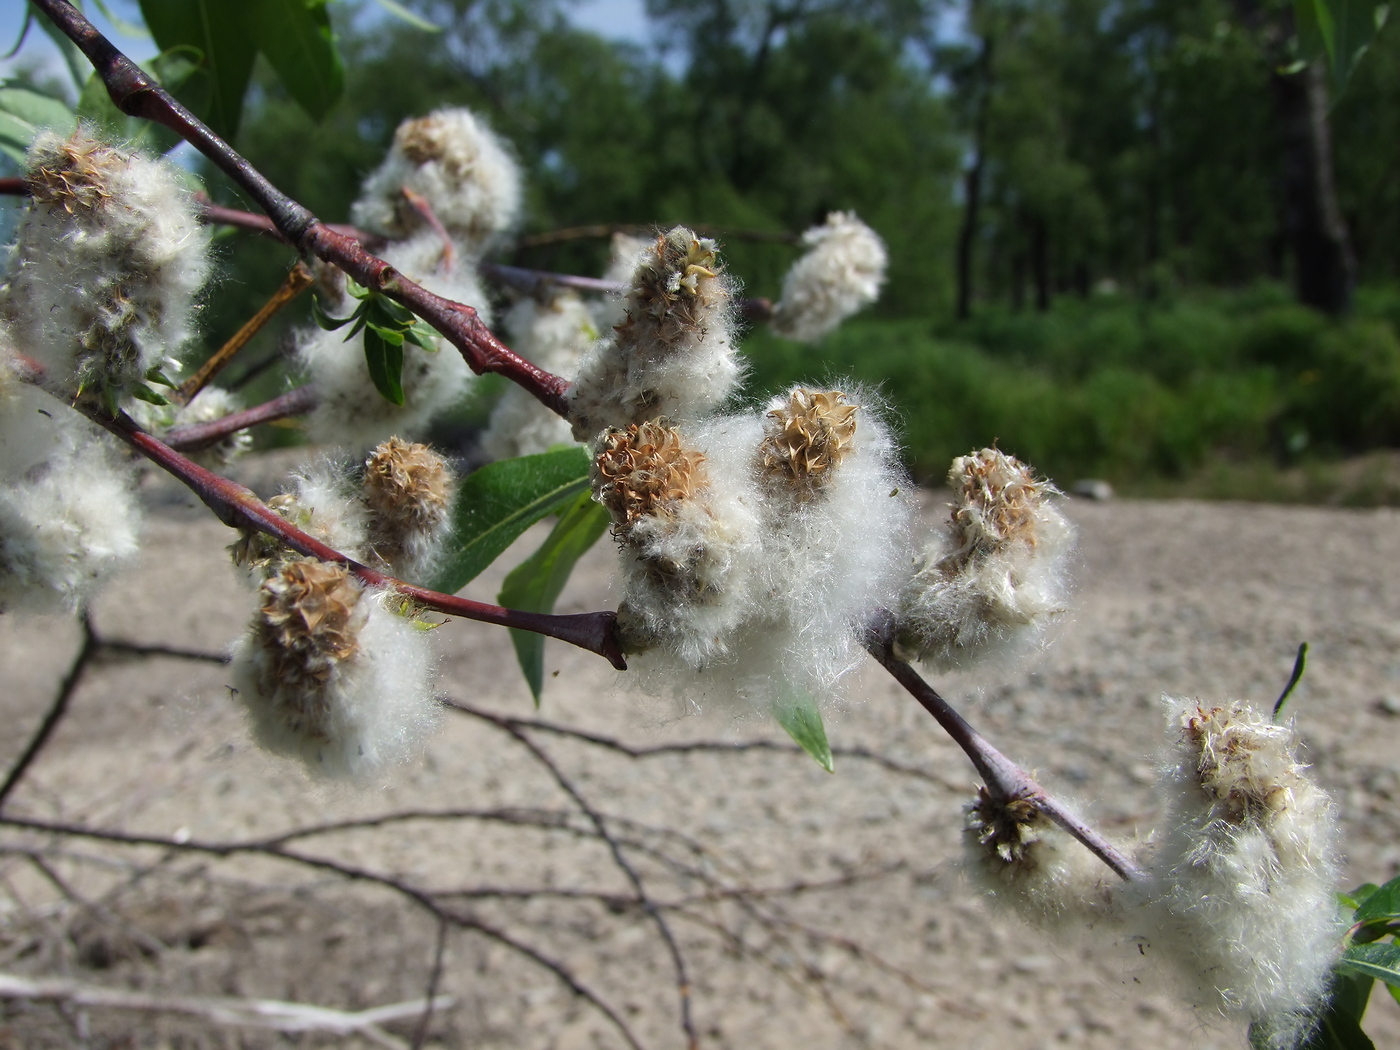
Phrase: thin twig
(237,507)
(1004,778)
(422,898)
(195,436)
(298,279)
(275,1014)
(720,746)
(421,205)
(420,1036)
(57,709)
(623,864)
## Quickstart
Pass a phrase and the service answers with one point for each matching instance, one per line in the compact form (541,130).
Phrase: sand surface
(811,910)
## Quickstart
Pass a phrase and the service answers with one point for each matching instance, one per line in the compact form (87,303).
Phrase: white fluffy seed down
(836,529)
(673,354)
(990,582)
(1242,884)
(841,272)
(554,335)
(743,578)
(464,171)
(351,412)
(687,523)
(1019,857)
(335,675)
(69,515)
(107,261)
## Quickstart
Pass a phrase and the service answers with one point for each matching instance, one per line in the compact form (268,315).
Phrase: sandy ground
(812,910)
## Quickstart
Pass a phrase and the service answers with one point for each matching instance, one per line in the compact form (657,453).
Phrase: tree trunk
(1324,269)
(1040,261)
(972,182)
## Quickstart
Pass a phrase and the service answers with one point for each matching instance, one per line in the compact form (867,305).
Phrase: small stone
(1092,488)
(1389,704)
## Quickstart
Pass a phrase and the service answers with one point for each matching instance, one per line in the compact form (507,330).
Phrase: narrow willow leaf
(405,15)
(1382,904)
(392,336)
(323,319)
(423,336)
(1381,961)
(145,393)
(1337,1029)
(295,37)
(222,32)
(495,504)
(803,722)
(535,584)
(385,363)
(35,112)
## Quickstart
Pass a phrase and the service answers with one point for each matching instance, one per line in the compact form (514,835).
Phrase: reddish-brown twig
(195,436)
(1004,778)
(237,507)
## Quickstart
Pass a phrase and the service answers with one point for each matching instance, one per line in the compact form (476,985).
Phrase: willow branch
(1004,778)
(195,436)
(136,94)
(238,507)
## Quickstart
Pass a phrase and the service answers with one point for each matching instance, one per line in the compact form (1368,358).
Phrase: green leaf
(385,362)
(1339,31)
(393,336)
(155,375)
(535,584)
(1339,1027)
(145,393)
(222,32)
(404,14)
(1381,904)
(1357,897)
(1381,961)
(295,36)
(325,320)
(803,722)
(422,335)
(23,114)
(497,503)
(1300,664)
(78,66)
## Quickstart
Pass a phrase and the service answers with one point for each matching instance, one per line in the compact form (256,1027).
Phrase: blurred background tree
(1099,223)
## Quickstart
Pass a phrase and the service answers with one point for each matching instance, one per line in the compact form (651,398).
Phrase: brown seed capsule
(807,439)
(408,489)
(76,179)
(1006,827)
(306,626)
(643,470)
(676,286)
(996,500)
